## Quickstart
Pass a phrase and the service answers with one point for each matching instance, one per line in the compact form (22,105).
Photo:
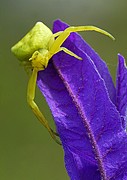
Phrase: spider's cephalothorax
(35,50)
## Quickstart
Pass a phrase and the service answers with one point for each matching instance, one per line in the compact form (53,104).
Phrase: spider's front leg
(62,36)
(33,105)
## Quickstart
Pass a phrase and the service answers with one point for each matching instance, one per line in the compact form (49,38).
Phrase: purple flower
(89,112)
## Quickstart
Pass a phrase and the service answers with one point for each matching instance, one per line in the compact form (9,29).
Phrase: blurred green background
(26,150)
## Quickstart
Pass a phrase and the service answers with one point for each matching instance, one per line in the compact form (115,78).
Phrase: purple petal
(121,89)
(100,64)
(87,121)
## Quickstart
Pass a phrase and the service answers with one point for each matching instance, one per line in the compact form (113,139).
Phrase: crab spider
(35,50)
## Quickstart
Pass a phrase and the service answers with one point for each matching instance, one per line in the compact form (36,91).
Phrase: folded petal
(121,89)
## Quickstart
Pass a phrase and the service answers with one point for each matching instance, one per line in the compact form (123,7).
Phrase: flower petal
(88,123)
(100,64)
(121,89)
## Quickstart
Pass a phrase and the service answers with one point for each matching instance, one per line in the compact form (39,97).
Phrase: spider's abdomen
(38,38)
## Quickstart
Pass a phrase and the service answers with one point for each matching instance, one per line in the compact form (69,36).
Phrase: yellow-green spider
(35,50)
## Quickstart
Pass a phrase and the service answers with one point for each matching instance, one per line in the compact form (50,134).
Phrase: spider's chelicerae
(35,50)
